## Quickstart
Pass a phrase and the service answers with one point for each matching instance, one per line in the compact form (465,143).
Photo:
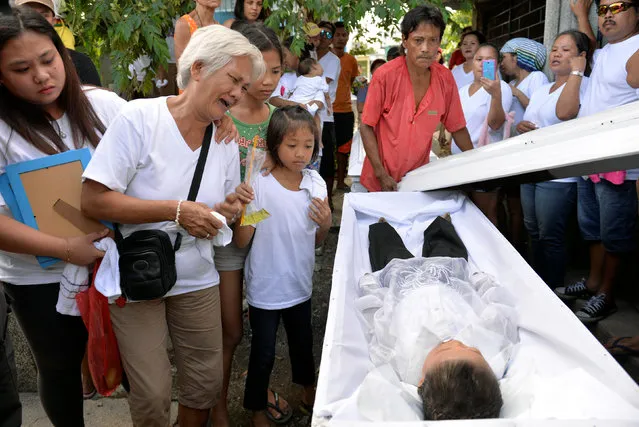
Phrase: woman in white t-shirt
(279,268)
(470,42)
(548,205)
(140,178)
(45,111)
(522,62)
(485,103)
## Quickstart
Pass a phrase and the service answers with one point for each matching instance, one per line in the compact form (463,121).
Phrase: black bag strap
(195,182)
(201,162)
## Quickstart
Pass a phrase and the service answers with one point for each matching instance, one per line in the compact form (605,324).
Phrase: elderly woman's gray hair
(215,46)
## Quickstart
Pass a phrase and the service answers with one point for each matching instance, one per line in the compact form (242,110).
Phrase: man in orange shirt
(343,107)
(407,99)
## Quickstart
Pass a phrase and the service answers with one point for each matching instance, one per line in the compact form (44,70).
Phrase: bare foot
(259,419)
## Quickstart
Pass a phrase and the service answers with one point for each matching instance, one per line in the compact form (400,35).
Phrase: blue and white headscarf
(531,55)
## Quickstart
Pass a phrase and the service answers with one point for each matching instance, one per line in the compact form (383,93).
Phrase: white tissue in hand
(225,234)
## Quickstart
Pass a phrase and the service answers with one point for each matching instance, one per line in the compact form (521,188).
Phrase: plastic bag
(251,214)
(104,356)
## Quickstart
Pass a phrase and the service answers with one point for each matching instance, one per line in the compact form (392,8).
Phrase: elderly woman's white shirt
(144,155)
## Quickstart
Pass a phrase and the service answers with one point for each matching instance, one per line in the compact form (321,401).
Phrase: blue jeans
(547,207)
(608,213)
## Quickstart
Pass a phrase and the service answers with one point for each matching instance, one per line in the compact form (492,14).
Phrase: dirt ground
(281,376)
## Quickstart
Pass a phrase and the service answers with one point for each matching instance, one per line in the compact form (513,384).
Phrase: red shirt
(404,138)
(456,58)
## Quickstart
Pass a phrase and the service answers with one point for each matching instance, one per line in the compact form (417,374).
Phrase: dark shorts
(327,165)
(344,124)
(608,213)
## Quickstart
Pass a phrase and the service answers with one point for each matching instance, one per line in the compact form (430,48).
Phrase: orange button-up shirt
(405,133)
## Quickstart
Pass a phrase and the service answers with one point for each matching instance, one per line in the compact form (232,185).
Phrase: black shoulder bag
(147,257)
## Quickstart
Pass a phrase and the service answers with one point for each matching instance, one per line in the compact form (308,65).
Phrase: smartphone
(488,68)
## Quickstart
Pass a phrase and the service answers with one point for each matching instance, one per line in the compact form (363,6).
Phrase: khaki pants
(142,329)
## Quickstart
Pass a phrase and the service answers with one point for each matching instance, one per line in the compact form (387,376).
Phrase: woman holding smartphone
(485,102)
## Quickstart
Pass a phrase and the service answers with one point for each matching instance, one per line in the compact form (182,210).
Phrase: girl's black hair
(377,63)
(583,45)
(481,38)
(239,11)
(286,120)
(492,46)
(32,122)
(261,37)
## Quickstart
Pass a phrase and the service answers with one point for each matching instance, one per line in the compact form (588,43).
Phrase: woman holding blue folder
(44,111)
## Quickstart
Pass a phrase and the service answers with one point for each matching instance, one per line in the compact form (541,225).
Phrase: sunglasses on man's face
(614,8)
(326,34)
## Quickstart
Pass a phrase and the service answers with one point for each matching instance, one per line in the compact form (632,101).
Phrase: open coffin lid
(603,142)
(561,375)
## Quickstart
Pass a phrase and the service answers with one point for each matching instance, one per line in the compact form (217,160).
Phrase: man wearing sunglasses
(332,68)
(607,203)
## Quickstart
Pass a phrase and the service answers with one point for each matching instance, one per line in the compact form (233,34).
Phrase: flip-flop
(90,395)
(285,416)
(620,350)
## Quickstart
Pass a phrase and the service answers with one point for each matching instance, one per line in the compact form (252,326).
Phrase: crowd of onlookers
(244,94)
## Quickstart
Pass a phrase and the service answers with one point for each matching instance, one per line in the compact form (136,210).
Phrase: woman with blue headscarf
(522,62)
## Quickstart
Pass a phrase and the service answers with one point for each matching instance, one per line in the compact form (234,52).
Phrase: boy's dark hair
(377,63)
(459,390)
(327,24)
(340,24)
(492,46)
(480,36)
(261,37)
(393,52)
(238,11)
(286,120)
(31,121)
(424,14)
(306,66)
(583,45)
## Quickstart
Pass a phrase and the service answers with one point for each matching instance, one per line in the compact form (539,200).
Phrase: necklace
(202,22)
(62,134)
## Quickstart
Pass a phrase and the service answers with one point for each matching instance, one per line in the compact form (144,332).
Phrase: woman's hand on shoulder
(320,213)
(80,250)
(197,220)
(226,130)
(268,165)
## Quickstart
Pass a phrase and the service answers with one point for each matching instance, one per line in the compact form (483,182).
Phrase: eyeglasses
(614,8)
(326,34)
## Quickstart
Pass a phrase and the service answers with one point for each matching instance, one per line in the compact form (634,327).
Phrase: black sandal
(285,416)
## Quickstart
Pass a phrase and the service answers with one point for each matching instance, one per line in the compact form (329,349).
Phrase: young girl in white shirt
(485,103)
(279,268)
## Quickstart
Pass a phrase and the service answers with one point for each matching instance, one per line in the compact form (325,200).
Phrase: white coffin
(554,343)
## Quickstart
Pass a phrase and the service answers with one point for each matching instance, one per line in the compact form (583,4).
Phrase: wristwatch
(577,73)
